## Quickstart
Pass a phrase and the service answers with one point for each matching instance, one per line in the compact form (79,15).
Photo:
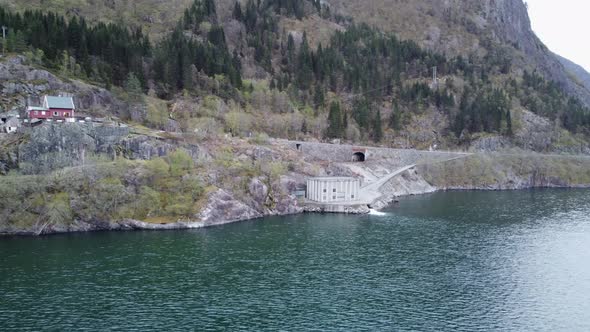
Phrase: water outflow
(374,212)
(451,261)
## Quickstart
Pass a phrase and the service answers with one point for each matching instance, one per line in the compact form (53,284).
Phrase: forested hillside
(360,84)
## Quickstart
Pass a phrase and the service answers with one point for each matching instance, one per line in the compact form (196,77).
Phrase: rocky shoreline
(136,225)
(237,180)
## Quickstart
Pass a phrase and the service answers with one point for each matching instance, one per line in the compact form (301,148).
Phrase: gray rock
(223,208)
(258,190)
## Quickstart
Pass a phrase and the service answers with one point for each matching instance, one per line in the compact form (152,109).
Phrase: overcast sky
(564,26)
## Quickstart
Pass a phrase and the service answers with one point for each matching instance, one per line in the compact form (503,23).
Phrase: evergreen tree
(509,131)
(133,88)
(395,118)
(318,97)
(237,13)
(305,72)
(377,127)
(361,111)
(335,121)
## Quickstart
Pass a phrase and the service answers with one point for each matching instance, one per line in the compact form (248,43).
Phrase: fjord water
(457,261)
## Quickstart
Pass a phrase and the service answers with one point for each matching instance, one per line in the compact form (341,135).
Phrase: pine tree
(509,131)
(237,13)
(187,73)
(318,97)
(361,110)
(133,88)
(304,70)
(335,128)
(395,118)
(377,128)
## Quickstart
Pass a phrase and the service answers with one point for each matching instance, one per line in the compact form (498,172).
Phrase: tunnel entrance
(358,157)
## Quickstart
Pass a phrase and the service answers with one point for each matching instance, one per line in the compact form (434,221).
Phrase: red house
(58,108)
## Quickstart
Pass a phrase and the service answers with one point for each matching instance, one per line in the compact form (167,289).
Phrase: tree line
(350,77)
(109,53)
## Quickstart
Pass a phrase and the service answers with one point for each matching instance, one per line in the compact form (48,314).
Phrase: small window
(325,190)
(55,114)
(333,197)
(67,114)
(352,196)
(42,112)
(35,112)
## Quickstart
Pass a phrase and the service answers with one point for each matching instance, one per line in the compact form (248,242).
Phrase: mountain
(338,69)
(154,16)
(466,27)
(579,73)
(185,98)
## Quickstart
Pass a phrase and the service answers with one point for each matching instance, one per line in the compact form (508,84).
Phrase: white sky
(563,25)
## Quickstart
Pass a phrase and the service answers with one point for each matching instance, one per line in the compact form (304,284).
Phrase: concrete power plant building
(333,189)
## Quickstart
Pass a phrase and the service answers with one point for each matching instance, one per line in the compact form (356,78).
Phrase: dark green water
(471,261)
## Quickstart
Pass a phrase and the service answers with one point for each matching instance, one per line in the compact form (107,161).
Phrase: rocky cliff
(580,75)
(21,84)
(464,27)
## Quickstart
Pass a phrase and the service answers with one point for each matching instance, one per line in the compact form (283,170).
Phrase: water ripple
(508,261)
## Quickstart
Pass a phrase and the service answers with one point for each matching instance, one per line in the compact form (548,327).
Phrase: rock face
(22,85)
(508,172)
(578,71)
(408,183)
(223,207)
(53,146)
(466,27)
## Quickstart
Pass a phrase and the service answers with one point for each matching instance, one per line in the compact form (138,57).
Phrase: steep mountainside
(580,74)
(466,27)
(155,16)
(184,97)
(314,68)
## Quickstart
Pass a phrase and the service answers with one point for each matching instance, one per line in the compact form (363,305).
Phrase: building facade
(333,189)
(9,125)
(53,108)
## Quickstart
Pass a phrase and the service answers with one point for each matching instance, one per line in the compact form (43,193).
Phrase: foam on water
(374,212)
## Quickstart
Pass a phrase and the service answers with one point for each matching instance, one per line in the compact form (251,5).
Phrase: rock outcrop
(22,85)
(222,207)
(49,147)
(464,27)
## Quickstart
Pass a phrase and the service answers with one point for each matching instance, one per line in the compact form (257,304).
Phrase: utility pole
(434,77)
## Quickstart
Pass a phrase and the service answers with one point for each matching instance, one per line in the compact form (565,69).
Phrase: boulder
(222,208)
(258,190)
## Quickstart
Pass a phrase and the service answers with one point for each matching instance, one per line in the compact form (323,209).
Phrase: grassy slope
(155,16)
(509,171)
(579,73)
(412,19)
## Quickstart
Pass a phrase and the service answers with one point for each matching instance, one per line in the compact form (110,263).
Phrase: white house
(9,125)
(333,189)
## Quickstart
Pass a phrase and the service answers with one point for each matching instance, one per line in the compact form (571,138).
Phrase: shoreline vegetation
(137,225)
(178,120)
(489,171)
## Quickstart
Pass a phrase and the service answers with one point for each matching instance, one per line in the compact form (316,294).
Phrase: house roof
(333,179)
(36,108)
(60,102)
(12,122)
